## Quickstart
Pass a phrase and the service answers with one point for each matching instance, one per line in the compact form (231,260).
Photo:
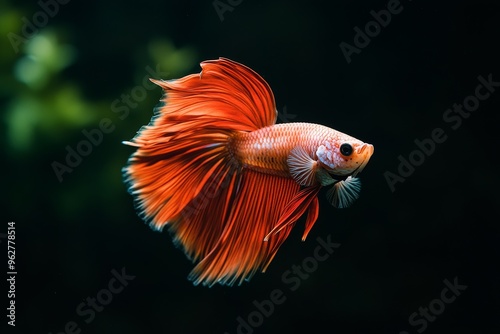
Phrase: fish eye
(346,149)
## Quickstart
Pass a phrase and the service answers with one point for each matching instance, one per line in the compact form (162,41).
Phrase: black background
(397,247)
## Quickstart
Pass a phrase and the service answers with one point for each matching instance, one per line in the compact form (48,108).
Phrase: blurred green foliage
(41,98)
(45,108)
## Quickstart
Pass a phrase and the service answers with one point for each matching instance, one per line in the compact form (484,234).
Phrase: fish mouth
(367,151)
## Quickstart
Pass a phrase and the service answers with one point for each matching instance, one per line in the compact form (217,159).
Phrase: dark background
(397,247)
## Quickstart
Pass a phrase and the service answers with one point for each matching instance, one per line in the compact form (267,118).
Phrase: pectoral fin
(302,167)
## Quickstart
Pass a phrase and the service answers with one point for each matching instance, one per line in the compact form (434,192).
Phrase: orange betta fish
(229,182)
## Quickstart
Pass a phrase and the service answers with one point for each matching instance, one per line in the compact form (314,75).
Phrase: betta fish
(229,182)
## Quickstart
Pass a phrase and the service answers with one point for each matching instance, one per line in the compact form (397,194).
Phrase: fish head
(344,155)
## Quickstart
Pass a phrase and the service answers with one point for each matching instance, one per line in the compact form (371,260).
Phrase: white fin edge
(344,193)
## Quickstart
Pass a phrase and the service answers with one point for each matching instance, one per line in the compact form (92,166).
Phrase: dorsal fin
(226,95)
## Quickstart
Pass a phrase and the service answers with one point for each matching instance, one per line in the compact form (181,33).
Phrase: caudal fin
(184,175)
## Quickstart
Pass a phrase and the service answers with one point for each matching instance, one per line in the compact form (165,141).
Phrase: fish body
(230,184)
(268,150)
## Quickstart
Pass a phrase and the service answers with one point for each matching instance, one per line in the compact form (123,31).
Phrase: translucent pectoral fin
(344,193)
(302,167)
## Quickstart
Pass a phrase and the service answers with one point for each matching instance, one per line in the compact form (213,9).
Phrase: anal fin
(241,251)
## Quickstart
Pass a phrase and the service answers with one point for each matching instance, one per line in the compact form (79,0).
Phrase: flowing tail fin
(183,174)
